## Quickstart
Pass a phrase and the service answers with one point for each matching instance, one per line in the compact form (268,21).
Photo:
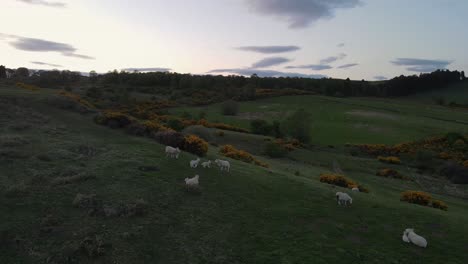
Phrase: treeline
(237,87)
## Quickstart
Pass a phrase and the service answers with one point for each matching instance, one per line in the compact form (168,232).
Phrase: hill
(253,215)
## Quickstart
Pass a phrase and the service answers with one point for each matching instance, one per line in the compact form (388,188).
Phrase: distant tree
(2,72)
(260,127)
(93,76)
(463,75)
(22,72)
(298,125)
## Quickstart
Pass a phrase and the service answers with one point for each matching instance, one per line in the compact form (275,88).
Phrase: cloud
(380,78)
(268,62)
(269,49)
(421,65)
(315,67)
(300,13)
(332,59)
(156,69)
(44,3)
(340,45)
(40,45)
(267,73)
(347,66)
(46,64)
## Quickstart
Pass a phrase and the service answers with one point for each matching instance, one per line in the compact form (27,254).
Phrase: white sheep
(343,198)
(409,236)
(206,164)
(355,189)
(194,163)
(223,164)
(192,182)
(172,152)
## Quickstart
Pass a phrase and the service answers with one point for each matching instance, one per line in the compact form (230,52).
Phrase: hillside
(457,93)
(252,215)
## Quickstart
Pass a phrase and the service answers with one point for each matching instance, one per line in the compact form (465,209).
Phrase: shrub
(465,164)
(298,126)
(199,131)
(114,119)
(439,205)
(260,163)
(275,150)
(456,173)
(230,107)
(416,197)
(362,188)
(260,127)
(175,124)
(195,145)
(170,138)
(220,133)
(338,180)
(237,154)
(452,137)
(390,173)
(390,159)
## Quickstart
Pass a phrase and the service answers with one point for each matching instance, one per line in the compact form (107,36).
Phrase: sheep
(192,182)
(355,189)
(343,198)
(206,164)
(410,236)
(172,152)
(223,164)
(194,163)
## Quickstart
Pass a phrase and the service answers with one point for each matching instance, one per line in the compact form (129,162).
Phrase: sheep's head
(216,161)
(196,176)
(409,230)
(178,149)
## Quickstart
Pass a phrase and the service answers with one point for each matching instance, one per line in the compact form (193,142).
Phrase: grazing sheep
(410,236)
(343,198)
(194,163)
(223,164)
(355,189)
(206,164)
(172,152)
(192,182)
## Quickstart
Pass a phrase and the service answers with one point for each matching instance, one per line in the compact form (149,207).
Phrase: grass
(457,93)
(252,215)
(338,121)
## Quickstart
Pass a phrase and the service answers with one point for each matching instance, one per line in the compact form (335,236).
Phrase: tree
(462,74)
(93,76)
(298,125)
(230,107)
(22,72)
(2,72)
(260,127)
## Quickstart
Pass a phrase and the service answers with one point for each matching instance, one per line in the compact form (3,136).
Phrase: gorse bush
(230,107)
(416,197)
(170,138)
(195,145)
(338,180)
(390,173)
(439,205)
(237,154)
(114,119)
(391,159)
(275,150)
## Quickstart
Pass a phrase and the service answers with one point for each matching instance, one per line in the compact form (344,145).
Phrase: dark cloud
(44,3)
(421,65)
(46,64)
(266,73)
(347,66)
(380,78)
(269,49)
(268,62)
(156,69)
(333,58)
(300,13)
(40,45)
(340,45)
(315,67)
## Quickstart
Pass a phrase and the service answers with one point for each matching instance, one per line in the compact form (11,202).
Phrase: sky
(359,39)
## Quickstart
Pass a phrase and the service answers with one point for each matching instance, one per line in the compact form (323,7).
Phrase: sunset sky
(368,39)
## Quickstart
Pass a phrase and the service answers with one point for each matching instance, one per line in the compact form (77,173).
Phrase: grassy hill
(349,120)
(252,215)
(457,93)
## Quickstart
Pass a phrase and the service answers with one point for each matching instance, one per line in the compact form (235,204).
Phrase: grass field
(252,215)
(457,93)
(350,120)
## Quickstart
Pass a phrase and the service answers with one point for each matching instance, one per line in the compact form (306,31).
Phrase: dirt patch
(372,114)
(262,115)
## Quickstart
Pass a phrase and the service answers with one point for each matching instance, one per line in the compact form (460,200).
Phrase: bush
(275,150)
(416,197)
(114,119)
(195,145)
(390,173)
(200,131)
(170,138)
(390,159)
(456,173)
(439,205)
(298,126)
(230,107)
(362,188)
(260,127)
(276,130)
(465,164)
(338,180)
(452,137)
(220,133)
(237,154)
(175,124)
